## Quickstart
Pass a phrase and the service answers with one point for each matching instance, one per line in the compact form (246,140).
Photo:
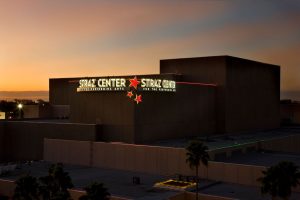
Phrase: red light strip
(74,81)
(200,84)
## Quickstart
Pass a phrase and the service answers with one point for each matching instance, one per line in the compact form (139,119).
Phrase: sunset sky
(64,38)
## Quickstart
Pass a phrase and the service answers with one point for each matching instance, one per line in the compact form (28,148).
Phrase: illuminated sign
(132,86)
(102,84)
(122,84)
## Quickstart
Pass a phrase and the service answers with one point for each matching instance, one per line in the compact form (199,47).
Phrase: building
(190,97)
(219,94)
(234,100)
(290,112)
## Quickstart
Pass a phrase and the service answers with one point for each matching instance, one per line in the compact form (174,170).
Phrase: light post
(20,106)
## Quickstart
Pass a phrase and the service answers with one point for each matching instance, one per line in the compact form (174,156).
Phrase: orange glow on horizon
(53,39)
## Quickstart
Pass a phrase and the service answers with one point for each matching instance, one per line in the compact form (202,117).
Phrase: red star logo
(134,82)
(138,99)
(129,94)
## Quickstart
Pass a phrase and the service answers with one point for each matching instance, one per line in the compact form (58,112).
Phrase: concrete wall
(252,95)
(72,152)
(204,70)
(113,110)
(37,111)
(60,111)
(248,92)
(59,91)
(24,140)
(1,140)
(246,98)
(161,115)
(31,111)
(188,112)
(148,159)
(290,113)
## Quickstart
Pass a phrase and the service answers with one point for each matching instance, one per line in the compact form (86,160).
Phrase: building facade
(211,95)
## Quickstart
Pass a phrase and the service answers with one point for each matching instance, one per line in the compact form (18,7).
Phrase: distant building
(2,115)
(290,112)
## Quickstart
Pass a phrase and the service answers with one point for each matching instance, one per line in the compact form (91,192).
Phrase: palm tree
(95,191)
(56,184)
(196,154)
(26,188)
(279,180)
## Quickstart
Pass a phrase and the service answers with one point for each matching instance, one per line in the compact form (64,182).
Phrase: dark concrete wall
(248,92)
(204,70)
(113,110)
(24,140)
(290,113)
(246,98)
(1,140)
(59,91)
(253,95)
(188,112)
(161,115)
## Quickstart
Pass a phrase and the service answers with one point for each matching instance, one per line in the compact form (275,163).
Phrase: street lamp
(20,106)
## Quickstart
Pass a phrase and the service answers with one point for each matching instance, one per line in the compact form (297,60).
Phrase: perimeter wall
(147,159)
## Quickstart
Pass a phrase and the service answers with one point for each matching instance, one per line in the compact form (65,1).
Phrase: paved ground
(221,141)
(118,182)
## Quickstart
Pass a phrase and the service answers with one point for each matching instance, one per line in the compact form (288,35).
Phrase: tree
(279,180)
(196,154)
(55,186)
(26,188)
(95,191)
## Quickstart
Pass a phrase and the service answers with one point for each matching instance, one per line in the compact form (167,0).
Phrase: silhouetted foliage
(279,180)
(8,106)
(95,191)
(55,186)
(196,154)
(26,188)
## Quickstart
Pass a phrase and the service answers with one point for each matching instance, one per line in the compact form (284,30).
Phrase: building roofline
(219,56)
(138,75)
